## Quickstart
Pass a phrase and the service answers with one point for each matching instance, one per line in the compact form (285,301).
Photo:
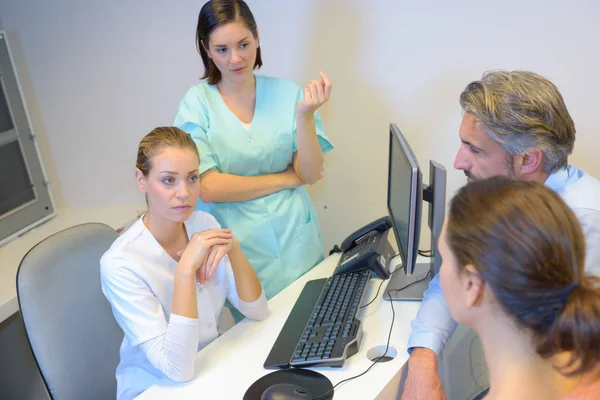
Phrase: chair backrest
(73,335)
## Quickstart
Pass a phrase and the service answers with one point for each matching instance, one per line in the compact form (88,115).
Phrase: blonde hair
(521,110)
(158,139)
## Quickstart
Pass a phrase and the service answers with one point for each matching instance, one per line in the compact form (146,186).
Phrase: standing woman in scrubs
(261,140)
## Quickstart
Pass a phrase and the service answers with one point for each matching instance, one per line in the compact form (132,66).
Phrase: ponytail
(576,330)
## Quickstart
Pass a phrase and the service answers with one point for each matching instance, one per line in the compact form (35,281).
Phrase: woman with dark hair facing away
(261,140)
(513,270)
(167,277)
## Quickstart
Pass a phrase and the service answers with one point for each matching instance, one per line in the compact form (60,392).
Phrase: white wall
(103,73)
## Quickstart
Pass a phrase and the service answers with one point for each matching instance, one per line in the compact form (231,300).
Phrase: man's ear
(140,179)
(474,286)
(530,161)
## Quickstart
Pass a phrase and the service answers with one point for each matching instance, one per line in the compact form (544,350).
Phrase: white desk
(12,253)
(227,367)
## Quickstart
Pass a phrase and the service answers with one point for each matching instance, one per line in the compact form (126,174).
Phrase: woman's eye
(168,181)
(194,178)
(221,50)
(244,45)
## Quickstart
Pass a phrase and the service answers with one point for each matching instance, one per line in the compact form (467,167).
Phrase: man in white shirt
(514,124)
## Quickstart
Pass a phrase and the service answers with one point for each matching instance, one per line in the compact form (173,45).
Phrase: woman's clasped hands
(205,251)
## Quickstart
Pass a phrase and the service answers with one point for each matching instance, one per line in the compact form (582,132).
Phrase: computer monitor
(405,195)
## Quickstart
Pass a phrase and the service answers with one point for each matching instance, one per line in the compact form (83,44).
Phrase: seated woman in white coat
(167,277)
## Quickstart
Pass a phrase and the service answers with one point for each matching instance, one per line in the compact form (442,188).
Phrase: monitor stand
(405,287)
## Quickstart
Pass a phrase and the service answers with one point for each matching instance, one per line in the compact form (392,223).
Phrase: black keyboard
(327,333)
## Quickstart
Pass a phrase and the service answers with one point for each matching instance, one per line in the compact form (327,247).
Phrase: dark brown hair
(213,14)
(528,246)
(158,139)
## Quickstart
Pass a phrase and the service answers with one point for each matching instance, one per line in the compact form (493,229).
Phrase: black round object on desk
(290,384)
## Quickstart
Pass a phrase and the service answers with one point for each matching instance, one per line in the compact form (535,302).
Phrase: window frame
(27,216)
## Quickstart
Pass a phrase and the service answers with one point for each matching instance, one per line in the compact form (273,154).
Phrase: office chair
(69,324)
(481,395)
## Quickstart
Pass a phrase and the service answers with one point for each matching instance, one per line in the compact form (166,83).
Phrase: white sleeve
(174,353)
(137,310)
(257,309)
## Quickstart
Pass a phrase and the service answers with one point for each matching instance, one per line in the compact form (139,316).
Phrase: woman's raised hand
(316,93)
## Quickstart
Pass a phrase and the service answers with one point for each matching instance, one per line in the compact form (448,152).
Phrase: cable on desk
(378,289)
(375,361)
(426,253)
(395,290)
(374,298)
(412,283)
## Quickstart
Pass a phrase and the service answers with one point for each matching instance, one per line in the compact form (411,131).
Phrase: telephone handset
(367,248)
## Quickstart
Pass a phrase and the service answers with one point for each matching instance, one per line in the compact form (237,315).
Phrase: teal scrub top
(279,233)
